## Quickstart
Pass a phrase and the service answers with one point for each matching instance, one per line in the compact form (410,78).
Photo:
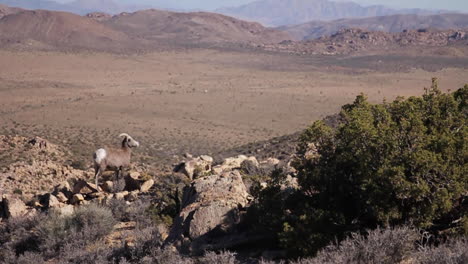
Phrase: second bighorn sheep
(115,159)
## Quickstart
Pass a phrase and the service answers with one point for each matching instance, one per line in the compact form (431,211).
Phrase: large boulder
(83,187)
(211,208)
(233,163)
(14,207)
(196,166)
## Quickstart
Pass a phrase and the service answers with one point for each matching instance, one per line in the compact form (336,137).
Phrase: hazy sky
(456,5)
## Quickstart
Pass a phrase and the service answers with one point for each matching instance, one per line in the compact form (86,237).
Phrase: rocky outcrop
(211,208)
(233,163)
(64,198)
(195,167)
(12,207)
(352,40)
(35,165)
(34,160)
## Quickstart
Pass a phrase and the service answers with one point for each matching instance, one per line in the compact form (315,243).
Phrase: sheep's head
(129,141)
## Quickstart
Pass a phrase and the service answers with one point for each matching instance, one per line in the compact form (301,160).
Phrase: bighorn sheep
(113,158)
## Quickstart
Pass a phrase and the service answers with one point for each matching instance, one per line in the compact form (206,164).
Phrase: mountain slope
(197,27)
(289,12)
(394,23)
(358,41)
(58,29)
(143,30)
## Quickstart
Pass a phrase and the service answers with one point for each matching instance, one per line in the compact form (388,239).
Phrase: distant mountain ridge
(392,23)
(290,12)
(142,30)
(78,6)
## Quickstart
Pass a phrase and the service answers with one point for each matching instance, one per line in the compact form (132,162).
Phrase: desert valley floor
(199,100)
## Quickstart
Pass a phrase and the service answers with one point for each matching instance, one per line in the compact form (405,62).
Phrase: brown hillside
(143,30)
(58,29)
(199,27)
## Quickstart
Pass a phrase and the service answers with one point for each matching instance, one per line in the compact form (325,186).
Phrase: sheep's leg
(98,171)
(117,181)
(119,172)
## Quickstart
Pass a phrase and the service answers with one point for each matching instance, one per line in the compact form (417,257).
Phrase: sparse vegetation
(382,176)
(86,225)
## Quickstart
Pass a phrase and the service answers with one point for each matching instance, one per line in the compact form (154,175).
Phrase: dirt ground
(197,101)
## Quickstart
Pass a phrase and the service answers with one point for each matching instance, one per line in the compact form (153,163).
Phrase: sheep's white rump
(100,155)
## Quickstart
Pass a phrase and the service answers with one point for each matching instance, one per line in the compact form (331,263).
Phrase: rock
(271,161)
(289,168)
(108,198)
(65,210)
(77,198)
(64,187)
(250,166)
(38,143)
(135,175)
(93,187)
(233,163)
(311,152)
(120,195)
(290,183)
(206,158)
(132,196)
(61,197)
(131,184)
(37,204)
(82,187)
(146,186)
(52,201)
(107,186)
(218,169)
(14,207)
(96,195)
(195,167)
(210,205)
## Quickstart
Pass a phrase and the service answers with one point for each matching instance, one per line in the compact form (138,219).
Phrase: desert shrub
(452,252)
(166,199)
(160,256)
(377,246)
(71,255)
(384,165)
(148,243)
(79,165)
(389,246)
(224,257)
(17,238)
(87,224)
(29,257)
(146,211)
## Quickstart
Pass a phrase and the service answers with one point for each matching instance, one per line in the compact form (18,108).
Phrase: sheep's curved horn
(124,135)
